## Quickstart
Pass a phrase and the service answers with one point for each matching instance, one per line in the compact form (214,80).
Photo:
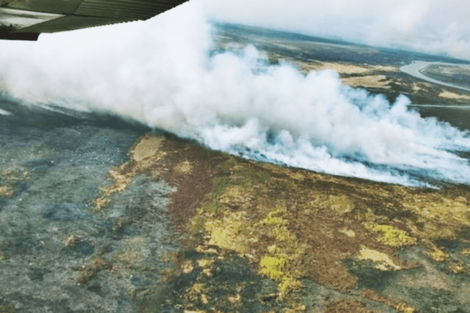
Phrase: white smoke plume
(161,73)
(430,26)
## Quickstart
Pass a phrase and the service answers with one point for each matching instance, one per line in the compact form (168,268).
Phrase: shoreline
(414,69)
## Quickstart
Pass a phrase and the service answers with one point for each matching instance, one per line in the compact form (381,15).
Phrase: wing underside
(26,19)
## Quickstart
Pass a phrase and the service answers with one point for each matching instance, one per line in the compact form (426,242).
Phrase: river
(414,69)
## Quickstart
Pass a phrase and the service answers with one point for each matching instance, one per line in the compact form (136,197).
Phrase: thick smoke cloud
(430,26)
(161,72)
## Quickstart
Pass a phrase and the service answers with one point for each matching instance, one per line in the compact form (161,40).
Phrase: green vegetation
(219,184)
(392,236)
(278,263)
(404,308)
(292,226)
(273,267)
(382,261)
(438,255)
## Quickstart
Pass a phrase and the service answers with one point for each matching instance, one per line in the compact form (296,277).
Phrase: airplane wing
(26,19)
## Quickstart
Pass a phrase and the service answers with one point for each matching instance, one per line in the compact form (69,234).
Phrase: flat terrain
(100,214)
(458,75)
(377,70)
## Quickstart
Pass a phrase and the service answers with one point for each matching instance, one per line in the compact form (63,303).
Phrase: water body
(414,69)
(456,115)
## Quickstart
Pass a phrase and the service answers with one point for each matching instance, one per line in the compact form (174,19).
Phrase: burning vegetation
(283,229)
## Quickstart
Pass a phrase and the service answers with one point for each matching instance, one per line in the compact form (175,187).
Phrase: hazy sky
(433,26)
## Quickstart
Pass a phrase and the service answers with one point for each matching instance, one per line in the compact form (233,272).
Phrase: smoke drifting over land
(430,26)
(161,73)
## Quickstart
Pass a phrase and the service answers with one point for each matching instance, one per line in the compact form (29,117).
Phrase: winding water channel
(415,68)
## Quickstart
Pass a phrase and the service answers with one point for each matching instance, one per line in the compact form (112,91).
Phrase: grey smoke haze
(161,73)
(430,26)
